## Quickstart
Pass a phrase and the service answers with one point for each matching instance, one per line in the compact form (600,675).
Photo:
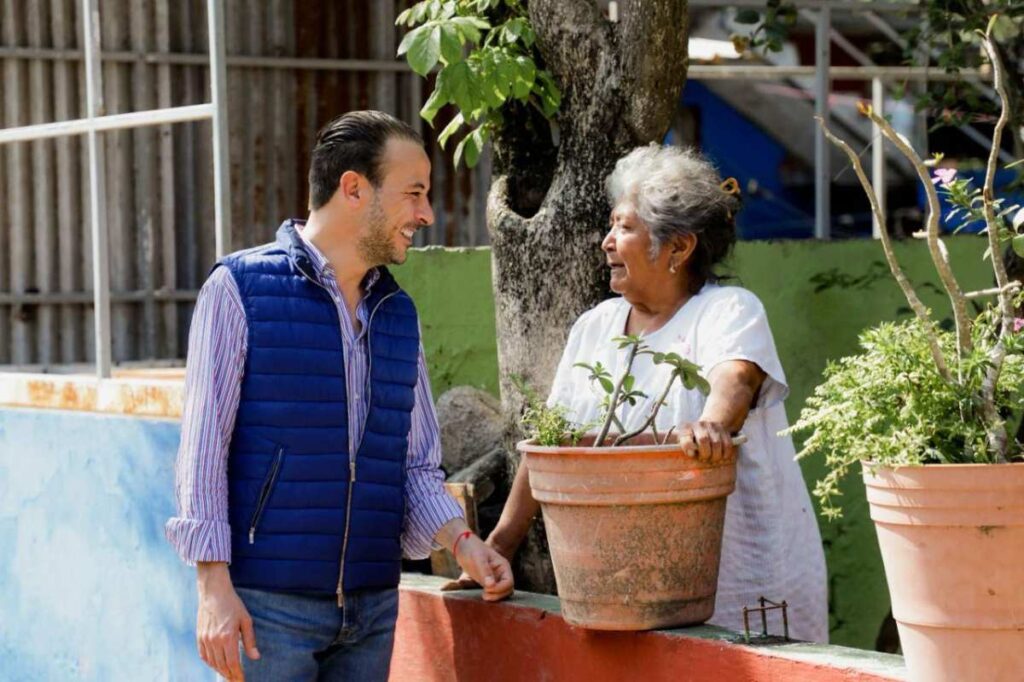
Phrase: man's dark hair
(352,142)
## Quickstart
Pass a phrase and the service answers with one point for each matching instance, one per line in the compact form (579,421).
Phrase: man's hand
(221,619)
(484,567)
(465,581)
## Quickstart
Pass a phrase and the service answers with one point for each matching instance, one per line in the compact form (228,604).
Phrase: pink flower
(1018,324)
(944,176)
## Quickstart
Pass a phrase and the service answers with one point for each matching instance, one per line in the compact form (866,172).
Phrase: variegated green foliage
(548,426)
(888,405)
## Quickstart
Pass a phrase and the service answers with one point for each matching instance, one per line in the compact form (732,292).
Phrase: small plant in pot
(634,525)
(931,414)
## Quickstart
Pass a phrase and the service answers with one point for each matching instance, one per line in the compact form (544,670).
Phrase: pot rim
(528,445)
(963,466)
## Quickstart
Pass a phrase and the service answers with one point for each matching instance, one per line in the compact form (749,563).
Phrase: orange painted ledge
(139,393)
(444,637)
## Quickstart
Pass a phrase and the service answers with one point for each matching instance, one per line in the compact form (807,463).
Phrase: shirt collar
(322,267)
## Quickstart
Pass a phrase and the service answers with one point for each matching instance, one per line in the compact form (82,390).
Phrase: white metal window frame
(96,122)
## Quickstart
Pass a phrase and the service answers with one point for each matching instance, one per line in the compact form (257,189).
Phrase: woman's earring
(672,268)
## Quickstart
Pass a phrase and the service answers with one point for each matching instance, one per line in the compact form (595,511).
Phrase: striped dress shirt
(213,378)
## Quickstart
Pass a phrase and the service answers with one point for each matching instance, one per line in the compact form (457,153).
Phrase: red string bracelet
(463,535)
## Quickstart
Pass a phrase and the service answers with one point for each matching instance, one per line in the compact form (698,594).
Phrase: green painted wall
(452,290)
(818,296)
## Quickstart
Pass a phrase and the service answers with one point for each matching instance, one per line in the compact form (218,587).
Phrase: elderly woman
(672,222)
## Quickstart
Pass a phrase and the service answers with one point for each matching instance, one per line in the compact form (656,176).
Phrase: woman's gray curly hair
(676,191)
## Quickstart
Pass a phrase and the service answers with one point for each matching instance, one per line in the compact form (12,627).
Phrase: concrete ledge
(142,393)
(457,636)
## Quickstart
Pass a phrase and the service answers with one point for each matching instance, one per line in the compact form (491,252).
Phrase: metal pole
(822,172)
(901,8)
(135,119)
(219,99)
(878,154)
(700,71)
(97,187)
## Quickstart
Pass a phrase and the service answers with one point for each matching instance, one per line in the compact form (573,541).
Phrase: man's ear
(352,187)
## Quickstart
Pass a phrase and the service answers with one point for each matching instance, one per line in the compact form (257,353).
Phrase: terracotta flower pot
(635,532)
(952,541)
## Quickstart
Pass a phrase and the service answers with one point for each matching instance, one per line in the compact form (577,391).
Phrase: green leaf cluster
(948,35)
(771,27)
(969,209)
(888,405)
(624,391)
(486,55)
(550,426)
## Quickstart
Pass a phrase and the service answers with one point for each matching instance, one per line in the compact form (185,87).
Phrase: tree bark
(547,210)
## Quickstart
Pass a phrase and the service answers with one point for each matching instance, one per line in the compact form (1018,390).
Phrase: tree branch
(939,256)
(501,217)
(890,256)
(1012,287)
(569,36)
(996,432)
(647,28)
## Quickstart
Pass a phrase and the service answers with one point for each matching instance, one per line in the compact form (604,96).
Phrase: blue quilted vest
(304,515)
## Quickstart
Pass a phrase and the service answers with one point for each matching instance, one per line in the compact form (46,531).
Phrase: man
(310,452)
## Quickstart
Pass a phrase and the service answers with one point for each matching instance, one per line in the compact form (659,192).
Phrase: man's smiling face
(399,206)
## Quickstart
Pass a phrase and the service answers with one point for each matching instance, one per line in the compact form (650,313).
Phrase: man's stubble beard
(377,247)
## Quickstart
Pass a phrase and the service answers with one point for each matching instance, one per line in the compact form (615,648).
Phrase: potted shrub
(931,415)
(634,528)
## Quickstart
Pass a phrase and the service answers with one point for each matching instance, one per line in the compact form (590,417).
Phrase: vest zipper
(352,455)
(352,461)
(268,487)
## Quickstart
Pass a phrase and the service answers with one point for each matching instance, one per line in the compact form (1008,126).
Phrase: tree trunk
(547,210)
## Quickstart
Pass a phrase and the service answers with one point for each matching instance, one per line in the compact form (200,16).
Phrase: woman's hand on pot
(709,442)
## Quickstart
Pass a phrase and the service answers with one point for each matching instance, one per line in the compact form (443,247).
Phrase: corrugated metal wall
(292,65)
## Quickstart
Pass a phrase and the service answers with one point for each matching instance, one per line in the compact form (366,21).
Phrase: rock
(471,426)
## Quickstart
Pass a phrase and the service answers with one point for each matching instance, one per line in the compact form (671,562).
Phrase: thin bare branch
(997,436)
(890,255)
(614,402)
(1011,288)
(941,259)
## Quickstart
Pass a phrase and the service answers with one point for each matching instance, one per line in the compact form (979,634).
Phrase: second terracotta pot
(635,532)
(952,541)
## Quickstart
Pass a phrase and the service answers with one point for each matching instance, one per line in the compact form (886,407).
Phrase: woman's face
(627,248)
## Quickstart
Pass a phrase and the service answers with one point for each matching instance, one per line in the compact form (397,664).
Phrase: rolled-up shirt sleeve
(216,358)
(428,506)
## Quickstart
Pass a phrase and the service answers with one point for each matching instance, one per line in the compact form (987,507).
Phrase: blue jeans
(307,637)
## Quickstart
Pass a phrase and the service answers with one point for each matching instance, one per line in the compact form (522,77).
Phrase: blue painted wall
(744,151)
(89,587)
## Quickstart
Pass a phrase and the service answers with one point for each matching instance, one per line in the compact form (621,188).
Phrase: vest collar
(290,241)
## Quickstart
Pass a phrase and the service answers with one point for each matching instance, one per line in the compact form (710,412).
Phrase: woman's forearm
(519,512)
(734,385)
